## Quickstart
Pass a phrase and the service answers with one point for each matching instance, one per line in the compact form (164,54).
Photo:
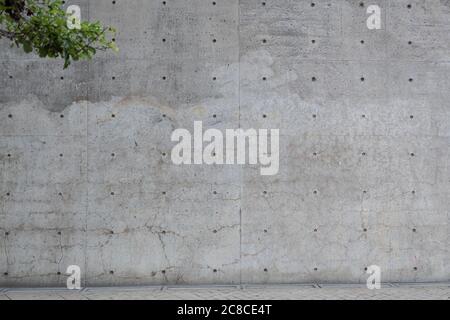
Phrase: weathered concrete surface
(85,170)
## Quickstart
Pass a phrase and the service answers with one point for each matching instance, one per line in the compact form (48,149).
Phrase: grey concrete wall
(85,170)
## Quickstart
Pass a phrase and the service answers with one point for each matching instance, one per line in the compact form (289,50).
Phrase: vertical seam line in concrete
(239,123)
(87,166)
(387,5)
(341,22)
(239,62)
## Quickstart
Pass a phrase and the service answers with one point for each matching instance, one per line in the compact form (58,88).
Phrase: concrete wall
(85,170)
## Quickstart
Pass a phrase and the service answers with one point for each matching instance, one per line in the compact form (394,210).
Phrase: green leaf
(27,47)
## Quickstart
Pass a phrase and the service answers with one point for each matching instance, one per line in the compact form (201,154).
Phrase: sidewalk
(427,291)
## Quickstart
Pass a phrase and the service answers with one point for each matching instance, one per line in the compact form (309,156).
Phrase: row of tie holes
(412,154)
(313,79)
(215,231)
(214,270)
(214,192)
(113,155)
(8,194)
(215,116)
(313,4)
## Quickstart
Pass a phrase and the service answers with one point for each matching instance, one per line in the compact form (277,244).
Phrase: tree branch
(8,34)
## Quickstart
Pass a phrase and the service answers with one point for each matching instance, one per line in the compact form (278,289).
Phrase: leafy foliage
(41,26)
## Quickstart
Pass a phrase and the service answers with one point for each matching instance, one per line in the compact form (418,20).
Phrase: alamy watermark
(235,146)
(74,17)
(374,20)
(74,279)
(374,280)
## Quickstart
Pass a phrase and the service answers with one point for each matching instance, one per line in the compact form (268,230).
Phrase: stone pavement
(435,291)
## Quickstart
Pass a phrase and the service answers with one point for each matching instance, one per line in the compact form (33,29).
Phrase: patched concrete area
(86,176)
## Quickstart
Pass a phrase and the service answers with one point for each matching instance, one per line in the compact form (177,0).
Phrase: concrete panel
(86,176)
